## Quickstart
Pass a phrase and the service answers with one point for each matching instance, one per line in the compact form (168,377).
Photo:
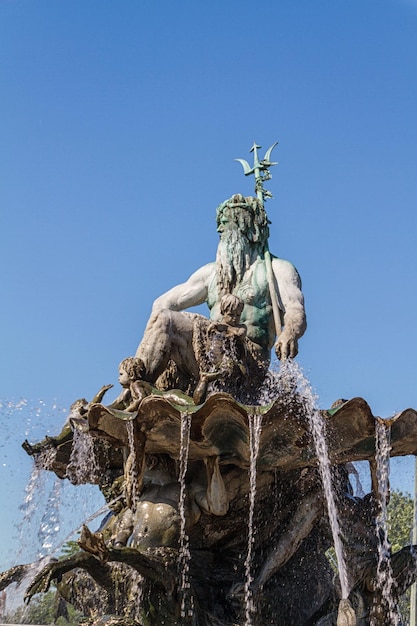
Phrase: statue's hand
(286,346)
(105,388)
(100,394)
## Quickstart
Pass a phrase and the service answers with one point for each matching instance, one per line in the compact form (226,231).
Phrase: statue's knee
(161,321)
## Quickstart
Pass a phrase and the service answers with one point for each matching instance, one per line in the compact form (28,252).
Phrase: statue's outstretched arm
(291,300)
(191,293)
(167,325)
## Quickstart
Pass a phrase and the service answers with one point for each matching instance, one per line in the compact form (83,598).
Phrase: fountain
(226,485)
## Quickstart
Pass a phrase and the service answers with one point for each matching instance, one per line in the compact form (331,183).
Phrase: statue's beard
(233,259)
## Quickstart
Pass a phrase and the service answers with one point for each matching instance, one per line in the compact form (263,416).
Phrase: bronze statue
(240,269)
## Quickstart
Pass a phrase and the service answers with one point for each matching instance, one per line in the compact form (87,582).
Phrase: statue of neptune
(240,269)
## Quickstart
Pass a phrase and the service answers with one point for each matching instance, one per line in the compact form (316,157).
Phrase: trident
(261,171)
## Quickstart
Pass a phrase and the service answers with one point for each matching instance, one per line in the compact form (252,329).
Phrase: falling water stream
(384,575)
(318,431)
(35,484)
(104,509)
(82,467)
(255,428)
(50,522)
(50,525)
(187,601)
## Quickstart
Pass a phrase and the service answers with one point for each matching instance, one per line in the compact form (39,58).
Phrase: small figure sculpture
(131,371)
(224,351)
(154,520)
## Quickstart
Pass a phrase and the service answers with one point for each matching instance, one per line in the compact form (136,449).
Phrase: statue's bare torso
(169,331)
(269,287)
(257,312)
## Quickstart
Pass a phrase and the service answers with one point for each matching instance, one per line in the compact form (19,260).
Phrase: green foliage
(69,548)
(400,519)
(400,526)
(15,617)
(42,610)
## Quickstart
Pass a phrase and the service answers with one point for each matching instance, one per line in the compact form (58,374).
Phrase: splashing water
(104,509)
(255,428)
(16,591)
(49,508)
(280,382)
(46,527)
(31,493)
(35,485)
(384,575)
(187,601)
(82,467)
(50,523)
(357,488)
(294,374)
(20,419)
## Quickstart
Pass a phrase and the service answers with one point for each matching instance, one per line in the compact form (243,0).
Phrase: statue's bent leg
(155,347)
(168,335)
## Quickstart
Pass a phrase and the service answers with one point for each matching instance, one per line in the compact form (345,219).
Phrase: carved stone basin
(220,427)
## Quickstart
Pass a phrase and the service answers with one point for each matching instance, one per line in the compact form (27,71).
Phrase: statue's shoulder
(204,272)
(284,269)
(282,263)
(208,268)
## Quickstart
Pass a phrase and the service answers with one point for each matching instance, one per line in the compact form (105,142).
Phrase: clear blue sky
(119,125)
